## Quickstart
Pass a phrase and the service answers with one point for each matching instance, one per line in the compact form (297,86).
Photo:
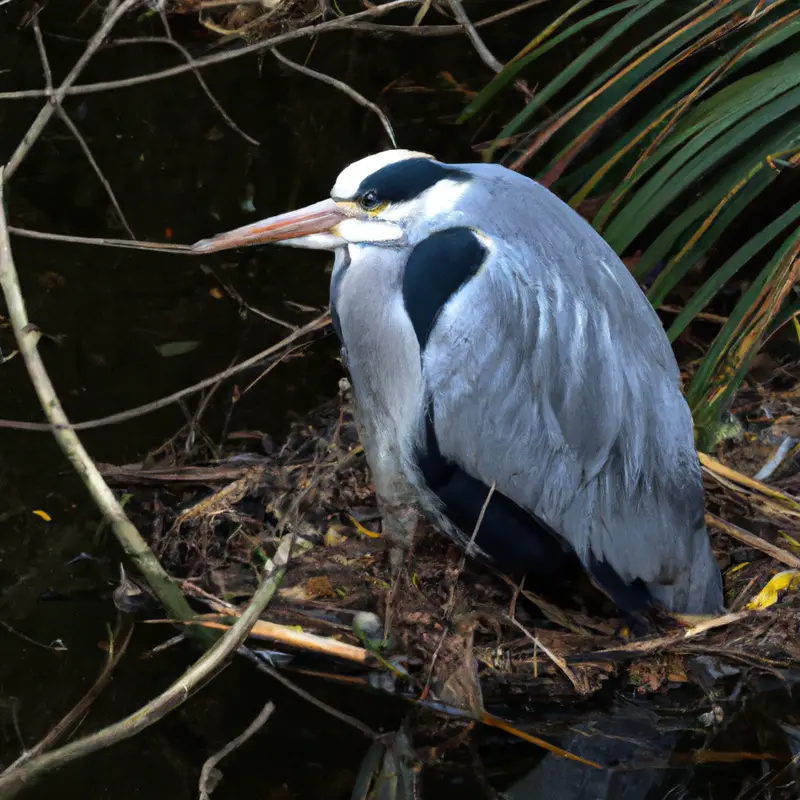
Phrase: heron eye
(369,200)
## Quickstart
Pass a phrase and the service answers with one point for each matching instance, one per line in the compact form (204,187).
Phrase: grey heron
(494,340)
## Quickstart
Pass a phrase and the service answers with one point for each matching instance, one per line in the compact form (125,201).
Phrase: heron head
(388,199)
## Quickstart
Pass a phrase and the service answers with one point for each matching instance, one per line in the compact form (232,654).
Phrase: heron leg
(399,524)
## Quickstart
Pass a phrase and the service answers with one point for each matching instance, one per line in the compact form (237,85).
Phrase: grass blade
(576,67)
(699,157)
(740,339)
(590,176)
(729,269)
(641,73)
(520,62)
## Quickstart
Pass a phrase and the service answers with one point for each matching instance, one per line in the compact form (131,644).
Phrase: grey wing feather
(551,374)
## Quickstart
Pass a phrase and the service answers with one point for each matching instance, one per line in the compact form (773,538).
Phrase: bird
(508,370)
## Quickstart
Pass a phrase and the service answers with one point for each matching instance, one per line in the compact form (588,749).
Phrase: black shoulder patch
(437,268)
(405,180)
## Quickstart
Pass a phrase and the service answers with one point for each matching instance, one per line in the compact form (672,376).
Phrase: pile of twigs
(457,632)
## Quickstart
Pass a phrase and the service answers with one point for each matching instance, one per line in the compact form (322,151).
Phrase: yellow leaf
(785,581)
(334,536)
(43,514)
(361,529)
(734,570)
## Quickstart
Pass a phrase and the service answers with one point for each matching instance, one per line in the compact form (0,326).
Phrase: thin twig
(73,129)
(340,23)
(160,648)
(478,524)
(483,51)
(37,32)
(701,315)
(234,295)
(206,788)
(59,648)
(67,120)
(750,539)
(224,3)
(118,644)
(121,416)
(197,676)
(56,97)
(170,41)
(128,536)
(579,685)
(659,642)
(202,405)
(722,472)
(451,600)
(467,550)
(262,665)
(125,244)
(342,87)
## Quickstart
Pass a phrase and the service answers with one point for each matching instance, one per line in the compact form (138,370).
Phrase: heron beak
(313,227)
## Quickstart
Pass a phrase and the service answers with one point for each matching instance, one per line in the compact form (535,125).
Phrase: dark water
(173,163)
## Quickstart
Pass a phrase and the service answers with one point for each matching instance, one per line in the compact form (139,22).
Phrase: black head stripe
(436,269)
(405,180)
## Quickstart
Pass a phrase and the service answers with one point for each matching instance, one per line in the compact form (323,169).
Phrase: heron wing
(551,376)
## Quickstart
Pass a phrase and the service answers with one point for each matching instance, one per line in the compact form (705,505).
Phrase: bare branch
(206,784)
(342,87)
(579,685)
(37,32)
(170,40)
(125,244)
(354,22)
(117,647)
(316,324)
(262,665)
(27,336)
(67,120)
(57,96)
(197,676)
(234,295)
(48,79)
(340,23)
(482,50)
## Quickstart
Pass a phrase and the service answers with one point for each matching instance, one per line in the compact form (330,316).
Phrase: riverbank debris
(456,632)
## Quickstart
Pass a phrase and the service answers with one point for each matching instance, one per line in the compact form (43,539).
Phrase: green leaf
(698,157)
(514,67)
(729,269)
(716,208)
(545,93)
(172,349)
(591,174)
(732,352)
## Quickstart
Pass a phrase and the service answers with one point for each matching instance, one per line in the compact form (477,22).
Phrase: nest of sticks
(457,632)
(251,21)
